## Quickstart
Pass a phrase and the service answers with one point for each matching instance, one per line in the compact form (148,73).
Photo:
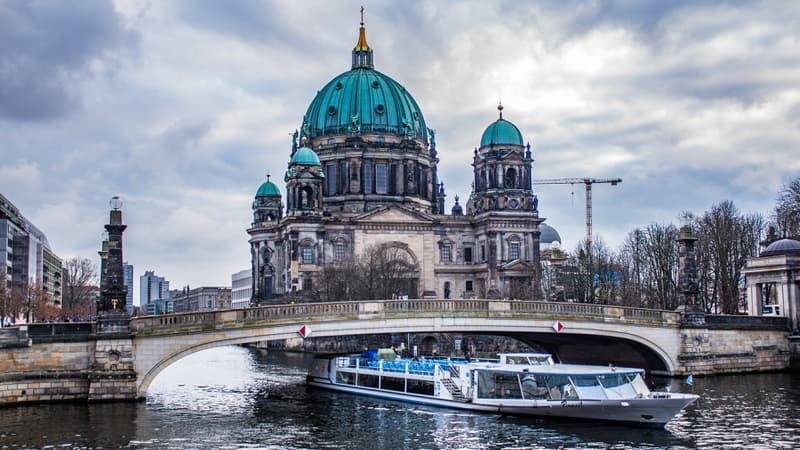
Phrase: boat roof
(557,369)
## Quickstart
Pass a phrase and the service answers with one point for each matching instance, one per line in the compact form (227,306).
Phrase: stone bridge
(94,365)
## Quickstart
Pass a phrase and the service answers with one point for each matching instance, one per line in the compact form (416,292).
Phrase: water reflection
(236,398)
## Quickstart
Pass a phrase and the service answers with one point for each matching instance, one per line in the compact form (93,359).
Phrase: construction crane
(588,182)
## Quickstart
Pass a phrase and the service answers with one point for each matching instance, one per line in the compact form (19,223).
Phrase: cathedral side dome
(268,189)
(501,132)
(364,100)
(304,156)
(548,235)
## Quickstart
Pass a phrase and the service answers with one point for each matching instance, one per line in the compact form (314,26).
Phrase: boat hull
(648,412)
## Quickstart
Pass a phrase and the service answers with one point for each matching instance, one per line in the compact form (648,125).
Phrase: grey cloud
(251,20)
(47,49)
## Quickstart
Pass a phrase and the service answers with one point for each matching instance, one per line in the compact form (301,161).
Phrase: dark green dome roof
(367,99)
(501,132)
(304,156)
(268,189)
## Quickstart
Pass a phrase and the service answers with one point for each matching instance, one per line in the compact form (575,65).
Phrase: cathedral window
(444,254)
(308,255)
(468,286)
(307,284)
(330,175)
(511,178)
(381,178)
(468,255)
(513,250)
(339,251)
(367,167)
(483,251)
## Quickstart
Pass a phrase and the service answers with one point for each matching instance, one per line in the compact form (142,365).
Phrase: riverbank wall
(72,363)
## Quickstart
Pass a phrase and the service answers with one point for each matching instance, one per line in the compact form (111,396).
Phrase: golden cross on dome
(362,15)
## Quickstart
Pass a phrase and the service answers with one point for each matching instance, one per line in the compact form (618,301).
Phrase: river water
(232,398)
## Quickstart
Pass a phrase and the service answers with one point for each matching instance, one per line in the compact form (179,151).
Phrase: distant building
(154,294)
(127,272)
(771,281)
(241,289)
(25,254)
(201,299)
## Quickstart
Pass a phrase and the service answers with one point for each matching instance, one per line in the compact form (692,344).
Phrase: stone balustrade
(444,307)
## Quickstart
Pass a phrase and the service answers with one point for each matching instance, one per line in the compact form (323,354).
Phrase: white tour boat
(516,383)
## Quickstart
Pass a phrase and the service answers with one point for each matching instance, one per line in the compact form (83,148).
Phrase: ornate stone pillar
(687,276)
(111,311)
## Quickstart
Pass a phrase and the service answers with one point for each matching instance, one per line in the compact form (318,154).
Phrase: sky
(182,107)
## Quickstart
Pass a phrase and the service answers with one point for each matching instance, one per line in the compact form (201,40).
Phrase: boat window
(588,387)
(498,385)
(559,386)
(617,385)
(639,385)
(368,380)
(539,360)
(532,388)
(420,387)
(345,378)
(393,384)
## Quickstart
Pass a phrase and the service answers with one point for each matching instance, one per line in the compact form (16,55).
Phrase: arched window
(307,197)
(514,247)
(511,178)
(339,250)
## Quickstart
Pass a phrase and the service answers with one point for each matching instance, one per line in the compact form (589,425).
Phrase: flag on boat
(689,380)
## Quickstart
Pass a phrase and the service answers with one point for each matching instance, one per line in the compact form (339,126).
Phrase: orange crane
(588,182)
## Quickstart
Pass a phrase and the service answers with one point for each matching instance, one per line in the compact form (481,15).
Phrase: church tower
(304,180)
(502,170)
(265,251)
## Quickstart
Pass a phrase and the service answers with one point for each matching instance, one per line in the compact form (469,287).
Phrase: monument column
(112,315)
(687,277)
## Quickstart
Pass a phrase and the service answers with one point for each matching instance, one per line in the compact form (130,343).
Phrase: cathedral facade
(362,172)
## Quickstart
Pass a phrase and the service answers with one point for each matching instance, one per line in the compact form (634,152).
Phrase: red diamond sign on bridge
(558,326)
(304,331)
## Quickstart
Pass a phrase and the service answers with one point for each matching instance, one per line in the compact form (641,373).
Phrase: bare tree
(380,272)
(591,275)
(80,286)
(727,239)
(12,303)
(787,210)
(39,305)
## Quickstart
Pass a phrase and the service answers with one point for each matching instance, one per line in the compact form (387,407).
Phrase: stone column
(687,277)
(111,310)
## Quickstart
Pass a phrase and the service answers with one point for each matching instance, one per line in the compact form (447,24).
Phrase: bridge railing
(371,309)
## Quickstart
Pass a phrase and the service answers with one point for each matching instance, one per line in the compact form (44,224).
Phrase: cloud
(690,103)
(49,48)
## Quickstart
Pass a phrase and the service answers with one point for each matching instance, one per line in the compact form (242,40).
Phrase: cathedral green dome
(501,132)
(268,189)
(364,100)
(304,156)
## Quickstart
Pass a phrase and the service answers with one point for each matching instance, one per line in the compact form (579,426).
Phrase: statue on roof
(355,125)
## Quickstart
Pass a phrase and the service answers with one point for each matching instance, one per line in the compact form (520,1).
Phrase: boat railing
(424,367)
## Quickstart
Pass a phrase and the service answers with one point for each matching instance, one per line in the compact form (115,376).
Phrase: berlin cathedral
(362,172)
